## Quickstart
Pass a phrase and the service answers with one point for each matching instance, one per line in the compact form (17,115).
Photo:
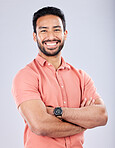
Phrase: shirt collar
(42,62)
(64,65)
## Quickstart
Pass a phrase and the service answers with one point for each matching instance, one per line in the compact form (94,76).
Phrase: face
(50,35)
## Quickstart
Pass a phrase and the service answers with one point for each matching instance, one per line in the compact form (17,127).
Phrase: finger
(92,102)
(89,102)
(83,102)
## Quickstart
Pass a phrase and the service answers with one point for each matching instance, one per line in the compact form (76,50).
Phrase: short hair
(48,11)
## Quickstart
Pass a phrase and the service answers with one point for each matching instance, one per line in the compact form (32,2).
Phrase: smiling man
(49,38)
(57,102)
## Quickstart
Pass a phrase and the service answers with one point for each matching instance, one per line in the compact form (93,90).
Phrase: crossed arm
(42,121)
(92,113)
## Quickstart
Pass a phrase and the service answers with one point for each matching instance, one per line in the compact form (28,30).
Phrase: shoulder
(80,72)
(26,75)
(83,76)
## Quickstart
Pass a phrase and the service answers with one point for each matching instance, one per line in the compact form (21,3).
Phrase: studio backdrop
(90,46)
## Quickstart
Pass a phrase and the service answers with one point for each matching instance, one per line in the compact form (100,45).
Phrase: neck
(54,60)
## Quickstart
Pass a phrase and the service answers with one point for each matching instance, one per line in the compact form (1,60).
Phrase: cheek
(60,36)
(40,38)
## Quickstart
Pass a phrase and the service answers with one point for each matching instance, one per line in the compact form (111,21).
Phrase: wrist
(64,112)
(50,110)
(58,112)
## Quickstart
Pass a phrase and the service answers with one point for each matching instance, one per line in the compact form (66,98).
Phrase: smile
(51,45)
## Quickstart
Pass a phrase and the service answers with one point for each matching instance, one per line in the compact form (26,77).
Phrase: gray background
(90,46)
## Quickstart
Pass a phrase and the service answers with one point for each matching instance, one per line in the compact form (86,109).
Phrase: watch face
(58,111)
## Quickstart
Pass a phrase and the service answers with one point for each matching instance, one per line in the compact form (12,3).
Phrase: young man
(57,101)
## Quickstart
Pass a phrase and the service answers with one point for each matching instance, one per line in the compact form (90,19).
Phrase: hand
(87,102)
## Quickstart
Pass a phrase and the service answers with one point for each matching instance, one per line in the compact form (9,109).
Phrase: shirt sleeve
(25,86)
(88,87)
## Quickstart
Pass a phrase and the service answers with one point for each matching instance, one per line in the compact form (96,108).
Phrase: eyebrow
(57,26)
(43,27)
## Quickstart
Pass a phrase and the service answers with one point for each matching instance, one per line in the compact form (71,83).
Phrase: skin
(41,123)
(45,31)
(92,113)
(39,117)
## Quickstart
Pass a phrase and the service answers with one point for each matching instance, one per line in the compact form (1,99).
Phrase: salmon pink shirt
(64,87)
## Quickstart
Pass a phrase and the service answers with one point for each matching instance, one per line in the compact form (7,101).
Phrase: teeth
(50,44)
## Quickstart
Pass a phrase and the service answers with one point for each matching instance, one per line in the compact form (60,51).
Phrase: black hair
(48,11)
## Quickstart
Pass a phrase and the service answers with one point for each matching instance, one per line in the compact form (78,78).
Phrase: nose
(50,35)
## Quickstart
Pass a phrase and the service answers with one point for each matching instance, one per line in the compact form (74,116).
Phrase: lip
(51,45)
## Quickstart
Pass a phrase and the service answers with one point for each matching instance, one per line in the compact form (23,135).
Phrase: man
(57,101)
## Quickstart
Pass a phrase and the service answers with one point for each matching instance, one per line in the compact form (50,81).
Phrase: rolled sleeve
(89,89)
(25,86)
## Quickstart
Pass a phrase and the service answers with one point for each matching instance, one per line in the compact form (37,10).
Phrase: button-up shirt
(64,87)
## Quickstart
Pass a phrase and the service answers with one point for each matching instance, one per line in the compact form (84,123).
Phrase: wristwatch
(58,112)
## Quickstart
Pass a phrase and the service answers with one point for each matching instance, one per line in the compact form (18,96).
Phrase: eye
(43,31)
(57,30)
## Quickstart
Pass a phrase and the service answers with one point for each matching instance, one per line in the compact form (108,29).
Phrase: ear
(34,37)
(65,34)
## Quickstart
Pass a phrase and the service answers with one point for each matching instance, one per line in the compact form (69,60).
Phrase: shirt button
(64,102)
(62,86)
(49,64)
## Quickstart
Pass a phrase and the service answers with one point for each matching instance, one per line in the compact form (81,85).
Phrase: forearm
(87,117)
(54,127)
